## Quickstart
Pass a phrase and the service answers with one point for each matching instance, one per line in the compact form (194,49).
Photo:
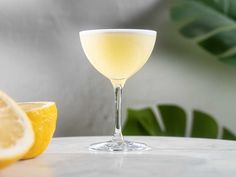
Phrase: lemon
(43,116)
(16,133)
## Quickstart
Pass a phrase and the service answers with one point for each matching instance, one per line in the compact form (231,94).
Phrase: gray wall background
(41,59)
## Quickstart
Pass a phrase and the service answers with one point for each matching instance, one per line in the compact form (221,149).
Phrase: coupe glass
(118,54)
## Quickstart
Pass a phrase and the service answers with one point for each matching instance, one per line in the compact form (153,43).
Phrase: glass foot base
(111,146)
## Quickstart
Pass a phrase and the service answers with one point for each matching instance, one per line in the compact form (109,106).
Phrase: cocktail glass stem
(118,137)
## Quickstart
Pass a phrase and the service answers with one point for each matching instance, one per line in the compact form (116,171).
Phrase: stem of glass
(118,137)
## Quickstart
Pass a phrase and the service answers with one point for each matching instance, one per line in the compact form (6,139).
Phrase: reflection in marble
(169,157)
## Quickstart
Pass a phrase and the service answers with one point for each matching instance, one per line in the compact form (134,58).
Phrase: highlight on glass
(118,54)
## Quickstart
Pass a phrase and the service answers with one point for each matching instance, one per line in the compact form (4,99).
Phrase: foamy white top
(143,31)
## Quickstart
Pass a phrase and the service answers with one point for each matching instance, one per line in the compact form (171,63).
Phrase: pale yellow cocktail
(118,54)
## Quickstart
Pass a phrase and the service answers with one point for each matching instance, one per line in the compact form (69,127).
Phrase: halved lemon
(43,117)
(16,133)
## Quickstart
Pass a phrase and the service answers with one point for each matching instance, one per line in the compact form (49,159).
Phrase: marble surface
(169,157)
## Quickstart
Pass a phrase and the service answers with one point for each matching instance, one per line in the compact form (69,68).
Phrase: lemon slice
(43,116)
(16,133)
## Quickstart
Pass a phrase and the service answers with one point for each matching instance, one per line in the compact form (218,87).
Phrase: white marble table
(169,157)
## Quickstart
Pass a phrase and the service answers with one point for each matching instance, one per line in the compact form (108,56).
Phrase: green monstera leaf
(209,23)
(174,119)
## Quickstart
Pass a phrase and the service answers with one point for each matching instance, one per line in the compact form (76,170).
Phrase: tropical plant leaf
(174,119)
(229,59)
(204,126)
(228,135)
(211,24)
(225,40)
(145,122)
(141,122)
(223,6)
